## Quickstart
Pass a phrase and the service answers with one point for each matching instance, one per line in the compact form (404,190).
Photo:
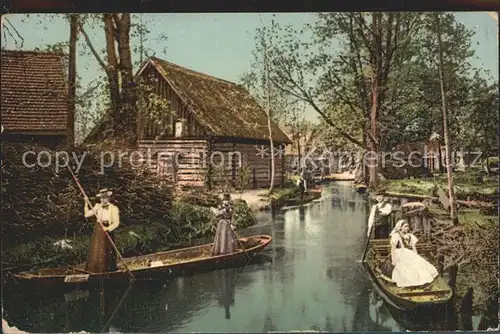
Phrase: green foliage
(330,64)
(58,47)
(53,205)
(286,193)
(154,108)
(242,216)
(189,221)
(244,178)
(197,197)
(185,224)
(465,187)
(492,162)
(220,182)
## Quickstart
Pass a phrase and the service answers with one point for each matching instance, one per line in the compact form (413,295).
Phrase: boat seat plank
(422,293)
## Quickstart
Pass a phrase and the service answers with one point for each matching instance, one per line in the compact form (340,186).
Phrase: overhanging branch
(92,49)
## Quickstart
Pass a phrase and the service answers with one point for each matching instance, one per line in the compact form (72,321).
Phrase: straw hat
(104,193)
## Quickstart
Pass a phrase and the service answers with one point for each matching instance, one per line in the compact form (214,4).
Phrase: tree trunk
(299,162)
(112,66)
(442,162)
(269,125)
(70,140)
(364,166)
(375,87)
(451,191)
(466,310)
(486,149)
(128,96)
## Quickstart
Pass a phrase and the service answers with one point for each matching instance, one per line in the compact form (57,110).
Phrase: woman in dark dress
(225,240)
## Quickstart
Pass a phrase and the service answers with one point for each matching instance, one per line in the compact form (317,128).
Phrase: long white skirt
(411,269)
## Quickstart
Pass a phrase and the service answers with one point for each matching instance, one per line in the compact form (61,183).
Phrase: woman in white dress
(409,268)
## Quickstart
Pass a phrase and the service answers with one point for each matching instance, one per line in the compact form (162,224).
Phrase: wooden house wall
(190,169)
(200,162)
(21,141)
(150,128)
(260,168)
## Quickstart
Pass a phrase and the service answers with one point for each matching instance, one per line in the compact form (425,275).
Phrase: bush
(197,197)
(186,224)
(190,221)
(242,216)
(41,202)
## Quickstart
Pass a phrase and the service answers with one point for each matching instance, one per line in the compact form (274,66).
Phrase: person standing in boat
(404,265)
(225,241)
(102,255)
(301,183)
(380,217)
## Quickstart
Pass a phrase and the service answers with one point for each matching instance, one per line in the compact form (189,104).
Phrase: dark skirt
(382,230)
(387,268)
(382,227)
(102,256)
(225,242)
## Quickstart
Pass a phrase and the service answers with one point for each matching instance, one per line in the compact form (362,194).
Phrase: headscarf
(398,227)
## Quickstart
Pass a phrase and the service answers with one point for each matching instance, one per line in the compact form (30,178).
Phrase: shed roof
(34,91)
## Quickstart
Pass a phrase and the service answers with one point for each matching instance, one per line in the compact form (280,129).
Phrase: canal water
(309,278)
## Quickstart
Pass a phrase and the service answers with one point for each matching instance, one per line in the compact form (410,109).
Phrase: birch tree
(372,48)
(259,83)
(451,190)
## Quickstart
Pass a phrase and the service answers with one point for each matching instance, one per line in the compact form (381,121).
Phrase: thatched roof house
(206,114)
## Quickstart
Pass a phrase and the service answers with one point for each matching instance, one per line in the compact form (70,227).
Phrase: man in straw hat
(102,255)
(380,217)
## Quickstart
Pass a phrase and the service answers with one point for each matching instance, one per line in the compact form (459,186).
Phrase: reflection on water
(380,316)
(307,279)
(226,280)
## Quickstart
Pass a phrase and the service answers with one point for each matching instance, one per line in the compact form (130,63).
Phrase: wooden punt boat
(170,263)
(436,293)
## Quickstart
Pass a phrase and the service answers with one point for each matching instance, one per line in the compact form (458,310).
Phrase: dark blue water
(307,279)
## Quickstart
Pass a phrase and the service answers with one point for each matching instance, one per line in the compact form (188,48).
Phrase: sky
(217,44)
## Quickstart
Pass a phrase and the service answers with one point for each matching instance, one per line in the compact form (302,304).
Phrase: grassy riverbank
(468,186)
(290,195)
(186,225)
